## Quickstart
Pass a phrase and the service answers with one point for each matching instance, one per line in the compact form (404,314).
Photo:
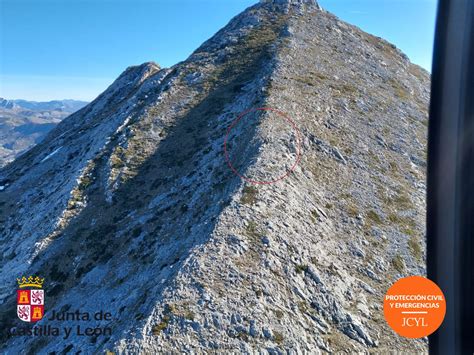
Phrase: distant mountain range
(25,123)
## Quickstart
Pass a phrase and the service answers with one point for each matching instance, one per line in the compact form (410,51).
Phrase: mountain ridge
(134,188)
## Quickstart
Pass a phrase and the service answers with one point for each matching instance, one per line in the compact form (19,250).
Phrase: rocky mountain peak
(297,4)
(291,2)
(130,203)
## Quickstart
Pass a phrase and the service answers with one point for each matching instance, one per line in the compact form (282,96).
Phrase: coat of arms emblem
(30,299)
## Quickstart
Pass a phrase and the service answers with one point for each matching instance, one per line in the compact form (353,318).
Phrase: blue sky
(55,49)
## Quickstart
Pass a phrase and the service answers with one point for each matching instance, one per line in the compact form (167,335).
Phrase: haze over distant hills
(25,123)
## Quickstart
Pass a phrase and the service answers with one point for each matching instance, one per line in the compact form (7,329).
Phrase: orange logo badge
(414,307)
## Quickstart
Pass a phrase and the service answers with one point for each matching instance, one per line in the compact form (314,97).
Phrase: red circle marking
(298,145)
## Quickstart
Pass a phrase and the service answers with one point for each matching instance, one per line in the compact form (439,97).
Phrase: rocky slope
(129,205)
(25,123)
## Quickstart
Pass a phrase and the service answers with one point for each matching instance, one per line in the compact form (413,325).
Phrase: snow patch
(51,154)
(123,125)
